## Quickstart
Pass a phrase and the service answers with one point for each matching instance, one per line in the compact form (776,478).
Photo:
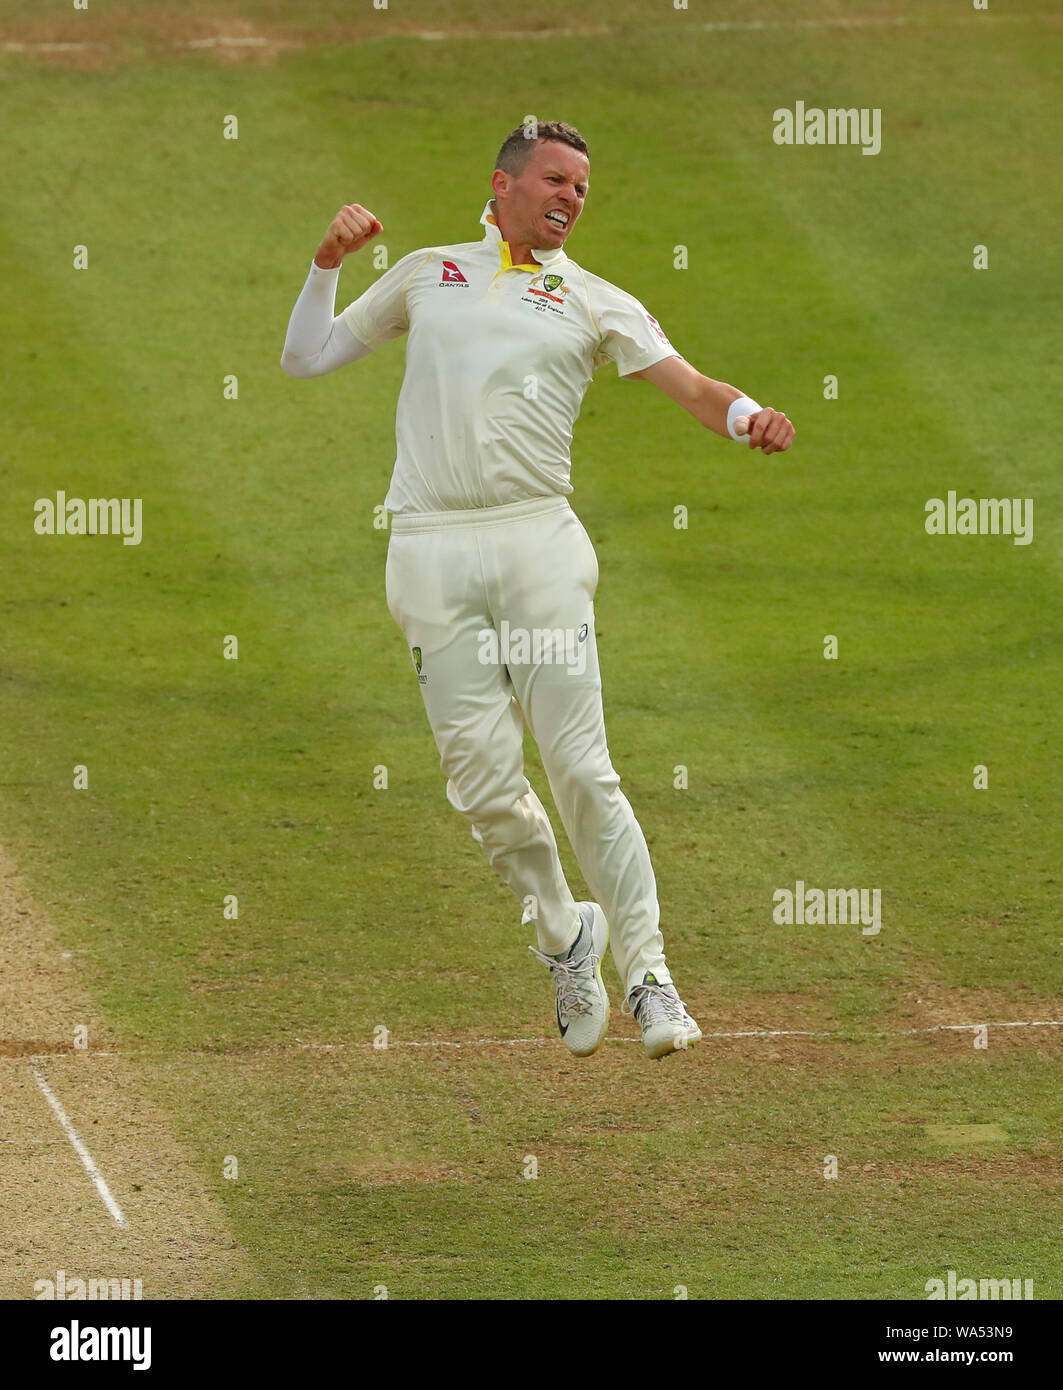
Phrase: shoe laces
(655,1004)
(572,979)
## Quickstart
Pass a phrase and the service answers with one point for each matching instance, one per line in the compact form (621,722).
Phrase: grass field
(358,907)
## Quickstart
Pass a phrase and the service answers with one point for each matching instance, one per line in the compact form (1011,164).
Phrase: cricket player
(490,574)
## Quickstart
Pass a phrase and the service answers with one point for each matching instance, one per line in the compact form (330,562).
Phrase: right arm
(317,341)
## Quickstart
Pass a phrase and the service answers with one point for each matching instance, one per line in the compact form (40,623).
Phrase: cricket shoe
(662,1016)
(582,1003)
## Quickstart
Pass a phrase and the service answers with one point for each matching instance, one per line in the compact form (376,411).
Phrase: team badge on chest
(547,293)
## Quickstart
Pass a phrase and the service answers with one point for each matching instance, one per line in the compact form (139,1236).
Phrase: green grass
(360,907)
(409,1171)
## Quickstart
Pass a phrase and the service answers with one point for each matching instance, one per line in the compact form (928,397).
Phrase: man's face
(540,206)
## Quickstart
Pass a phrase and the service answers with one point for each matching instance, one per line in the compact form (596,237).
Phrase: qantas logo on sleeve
(452,275)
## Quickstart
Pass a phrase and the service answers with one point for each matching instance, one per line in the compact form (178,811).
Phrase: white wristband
(744,405)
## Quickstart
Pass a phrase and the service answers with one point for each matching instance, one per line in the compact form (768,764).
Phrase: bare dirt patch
(102,38)
(935,1005)
(153,32)
(178,1241)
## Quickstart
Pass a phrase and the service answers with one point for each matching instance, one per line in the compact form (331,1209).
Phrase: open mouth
(558,219)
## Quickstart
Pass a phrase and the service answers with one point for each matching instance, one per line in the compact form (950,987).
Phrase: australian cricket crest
(416,651)
(547,293)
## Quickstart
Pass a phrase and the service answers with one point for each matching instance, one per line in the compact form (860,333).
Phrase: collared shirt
(498,359)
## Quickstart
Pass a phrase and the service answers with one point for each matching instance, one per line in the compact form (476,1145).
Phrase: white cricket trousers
(497,606)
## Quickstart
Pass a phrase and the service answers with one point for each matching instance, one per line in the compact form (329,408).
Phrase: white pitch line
(748,1033)
(80,1149)
(843,1034)
(967,1027)
(889,1033)
(78,47)
(724,26)
(250,42)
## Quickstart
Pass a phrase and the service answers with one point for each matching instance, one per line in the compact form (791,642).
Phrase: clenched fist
(349,231)
(768,429)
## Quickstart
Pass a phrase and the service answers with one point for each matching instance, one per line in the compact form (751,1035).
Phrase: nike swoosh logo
(563,1026)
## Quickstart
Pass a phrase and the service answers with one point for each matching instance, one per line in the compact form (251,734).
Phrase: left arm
(709,401)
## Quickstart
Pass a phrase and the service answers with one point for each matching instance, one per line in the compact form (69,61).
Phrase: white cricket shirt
(498,360)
